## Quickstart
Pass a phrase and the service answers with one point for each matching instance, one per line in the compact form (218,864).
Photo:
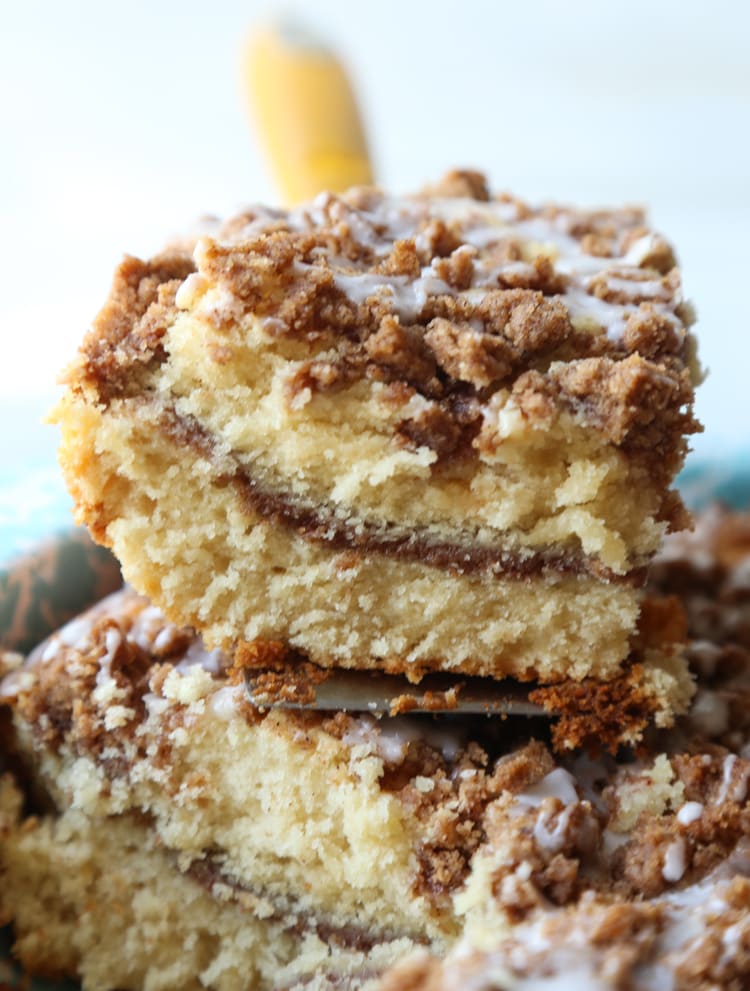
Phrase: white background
(121,123)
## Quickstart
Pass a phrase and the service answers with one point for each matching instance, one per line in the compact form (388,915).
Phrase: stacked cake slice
(434,432)
(413,435)
(192,841)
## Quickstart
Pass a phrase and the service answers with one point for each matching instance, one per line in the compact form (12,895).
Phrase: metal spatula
(365,691)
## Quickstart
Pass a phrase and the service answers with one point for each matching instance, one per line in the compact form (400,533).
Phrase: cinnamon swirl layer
(220,565)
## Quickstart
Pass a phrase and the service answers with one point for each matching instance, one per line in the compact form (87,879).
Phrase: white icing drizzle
(592,775)
(585,309)
(14,683)
(689,812)
(190,288)
(537,956)
(219,306)
(483,223)
(405,297)
(709,713)
(704,656)
(739,581)
(732,940)
(558,784)
(572,976)
(384,220)
(163,639)
(612,841)
(394,289)
(150,631)
(733,787)
(675,863)
(76,634)
(640,250)
(726,781)
(637,289)
(112,643)
(225,702)
(552,840)
(213,661)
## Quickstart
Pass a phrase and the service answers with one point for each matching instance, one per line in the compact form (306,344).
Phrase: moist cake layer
(415,831)
(100,899)
(464,383)
(343,608)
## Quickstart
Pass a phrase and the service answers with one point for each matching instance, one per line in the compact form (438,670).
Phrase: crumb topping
(520,289)
(128,332)
(698,943)
(451,294)
(598,714)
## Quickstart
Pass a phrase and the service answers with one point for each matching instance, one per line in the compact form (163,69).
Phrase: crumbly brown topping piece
(709,569)
(601,715)
(85,688)
(451,294)
(128,332)
(598,714)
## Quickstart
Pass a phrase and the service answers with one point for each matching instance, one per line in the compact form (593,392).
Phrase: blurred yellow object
(306,112)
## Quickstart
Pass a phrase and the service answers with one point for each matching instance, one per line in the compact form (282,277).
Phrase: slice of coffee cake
(190,840)
(406,433)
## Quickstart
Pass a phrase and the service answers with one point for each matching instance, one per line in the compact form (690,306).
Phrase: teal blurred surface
(724,480)
(33,500)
